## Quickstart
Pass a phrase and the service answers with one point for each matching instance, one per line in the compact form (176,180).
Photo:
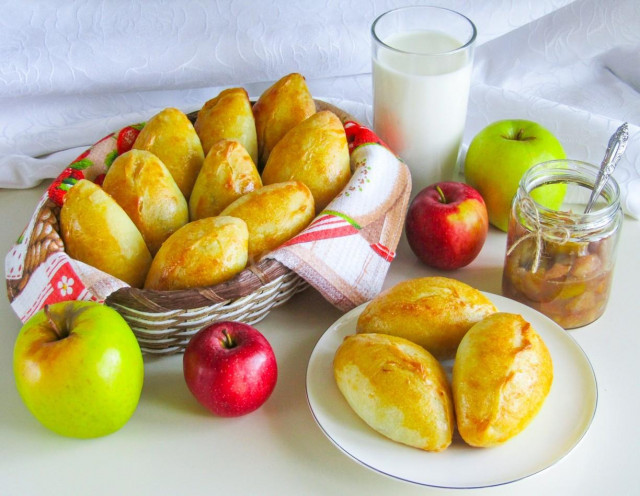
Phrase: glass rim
(464,46)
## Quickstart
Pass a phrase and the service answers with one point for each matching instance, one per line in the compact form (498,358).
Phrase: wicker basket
(164,321)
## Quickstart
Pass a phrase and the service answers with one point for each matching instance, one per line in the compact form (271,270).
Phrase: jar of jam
(560,260)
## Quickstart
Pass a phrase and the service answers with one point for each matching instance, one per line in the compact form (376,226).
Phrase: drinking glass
(422,61)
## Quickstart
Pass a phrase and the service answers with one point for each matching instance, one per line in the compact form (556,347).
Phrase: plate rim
(559,331)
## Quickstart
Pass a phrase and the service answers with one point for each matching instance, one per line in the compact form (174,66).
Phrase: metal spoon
(615,149)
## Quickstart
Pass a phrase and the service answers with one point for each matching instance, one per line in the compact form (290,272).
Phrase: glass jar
(560,260)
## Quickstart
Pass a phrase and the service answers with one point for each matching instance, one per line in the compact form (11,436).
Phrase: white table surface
(172,446)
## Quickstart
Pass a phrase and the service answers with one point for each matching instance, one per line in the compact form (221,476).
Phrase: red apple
(447,225)
(230,368)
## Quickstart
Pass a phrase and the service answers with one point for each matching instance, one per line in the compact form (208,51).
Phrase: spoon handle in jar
(615,149)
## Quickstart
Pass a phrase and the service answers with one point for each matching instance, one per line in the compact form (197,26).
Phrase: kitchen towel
(344,253)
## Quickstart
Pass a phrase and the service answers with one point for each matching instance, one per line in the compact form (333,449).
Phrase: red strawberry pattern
(99,179)
(358,135)
(126,137)
(63,183)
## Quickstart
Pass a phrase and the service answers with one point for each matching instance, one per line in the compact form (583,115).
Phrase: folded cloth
(72,73)
(345,253)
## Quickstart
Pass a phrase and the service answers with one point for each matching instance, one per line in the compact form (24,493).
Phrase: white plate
(563,420)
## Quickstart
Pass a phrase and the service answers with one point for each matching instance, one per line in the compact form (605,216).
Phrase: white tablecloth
(71,74)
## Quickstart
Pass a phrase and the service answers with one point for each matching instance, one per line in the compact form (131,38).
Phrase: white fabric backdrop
(71,74)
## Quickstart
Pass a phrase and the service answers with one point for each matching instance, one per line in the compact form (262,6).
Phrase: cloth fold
(70,74)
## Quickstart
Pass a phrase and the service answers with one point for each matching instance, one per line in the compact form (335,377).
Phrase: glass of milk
(422,60)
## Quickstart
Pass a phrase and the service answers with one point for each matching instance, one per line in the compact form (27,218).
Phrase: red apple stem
(228,341)
(52,323)
(443,199)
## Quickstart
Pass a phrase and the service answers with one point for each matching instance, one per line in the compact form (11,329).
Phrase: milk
(420,102)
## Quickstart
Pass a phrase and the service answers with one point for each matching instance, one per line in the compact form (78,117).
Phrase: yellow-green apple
(447,224)
(500,154)
(78,368)
(230,368)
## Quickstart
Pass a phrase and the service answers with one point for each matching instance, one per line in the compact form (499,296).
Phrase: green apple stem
(52,322)
(520,136)
(228,341)
(443,199)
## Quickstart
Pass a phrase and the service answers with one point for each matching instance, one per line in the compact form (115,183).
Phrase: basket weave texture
(163,321)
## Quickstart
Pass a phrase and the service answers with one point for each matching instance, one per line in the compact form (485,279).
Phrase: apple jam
(560,260)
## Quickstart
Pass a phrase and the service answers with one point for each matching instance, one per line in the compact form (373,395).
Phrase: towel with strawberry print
(59,277)
(346,251)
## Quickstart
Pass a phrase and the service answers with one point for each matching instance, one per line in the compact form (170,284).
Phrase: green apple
(78,368)
(500,154)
